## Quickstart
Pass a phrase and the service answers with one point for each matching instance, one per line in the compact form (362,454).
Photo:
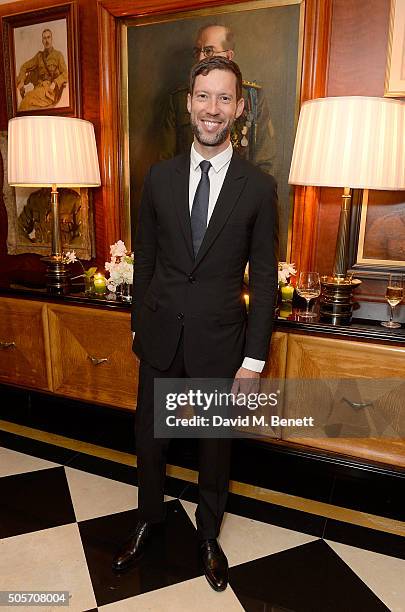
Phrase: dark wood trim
(109,131)
(317,34)
(121,8)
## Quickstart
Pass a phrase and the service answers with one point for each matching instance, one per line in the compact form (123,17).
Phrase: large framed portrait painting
(265,37)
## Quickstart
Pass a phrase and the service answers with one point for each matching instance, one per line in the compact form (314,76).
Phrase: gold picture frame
(381,233)
(395,72)
(41,61)
(28,219)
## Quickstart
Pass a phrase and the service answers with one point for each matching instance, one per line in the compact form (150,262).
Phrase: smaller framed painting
(41,61)
(395,73)
(379,232)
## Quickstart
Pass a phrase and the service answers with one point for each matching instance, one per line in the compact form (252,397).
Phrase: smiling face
(213,108)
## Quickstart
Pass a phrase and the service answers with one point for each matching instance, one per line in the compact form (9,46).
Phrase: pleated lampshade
(45,151)
(352,141)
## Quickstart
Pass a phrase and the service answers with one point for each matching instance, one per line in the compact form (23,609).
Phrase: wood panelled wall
(29,266)
(357,60)
(344,54)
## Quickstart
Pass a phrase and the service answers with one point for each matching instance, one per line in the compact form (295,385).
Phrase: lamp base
(57,275)
(336,303)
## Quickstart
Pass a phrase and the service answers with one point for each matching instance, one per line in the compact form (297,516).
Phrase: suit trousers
(214,458)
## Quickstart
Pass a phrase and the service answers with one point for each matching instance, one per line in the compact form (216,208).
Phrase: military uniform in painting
(44,69)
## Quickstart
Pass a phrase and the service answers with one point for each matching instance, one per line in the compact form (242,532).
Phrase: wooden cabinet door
(275,366)
(92,355)
(24,347)
(357,399)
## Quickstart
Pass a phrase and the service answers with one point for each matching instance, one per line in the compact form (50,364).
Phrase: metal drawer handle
(7,345)
(96,361)
(357,405)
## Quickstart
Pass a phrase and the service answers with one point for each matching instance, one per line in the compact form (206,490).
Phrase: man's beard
(211,140)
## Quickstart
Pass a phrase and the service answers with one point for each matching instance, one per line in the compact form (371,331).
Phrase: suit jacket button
(180,316)
(191,279)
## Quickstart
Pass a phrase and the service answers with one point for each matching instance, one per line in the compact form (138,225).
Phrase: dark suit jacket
(173,291)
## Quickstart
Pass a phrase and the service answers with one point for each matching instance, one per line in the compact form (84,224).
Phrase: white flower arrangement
(121,266)
(285,270)
(70,257)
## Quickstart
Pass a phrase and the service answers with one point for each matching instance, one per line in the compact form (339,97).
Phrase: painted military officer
(252,134)
(47,72)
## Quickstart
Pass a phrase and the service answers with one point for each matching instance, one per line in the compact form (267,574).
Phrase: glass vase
(88,285)
(126,292)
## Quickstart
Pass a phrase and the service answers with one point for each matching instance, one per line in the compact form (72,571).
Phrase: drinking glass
(394,294)
(308,287)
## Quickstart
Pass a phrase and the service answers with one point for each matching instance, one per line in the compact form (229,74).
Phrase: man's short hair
(46,30)
(229,39)
(216,63)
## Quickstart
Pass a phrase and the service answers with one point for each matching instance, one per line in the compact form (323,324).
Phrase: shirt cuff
(256,365)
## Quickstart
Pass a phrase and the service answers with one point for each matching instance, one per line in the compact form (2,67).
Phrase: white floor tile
(95,496)
(47,560)
(384,575)
(13,462)
(193,595)
(244,539)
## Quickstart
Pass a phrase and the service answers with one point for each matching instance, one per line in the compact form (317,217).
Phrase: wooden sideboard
(84,352)
(74,351)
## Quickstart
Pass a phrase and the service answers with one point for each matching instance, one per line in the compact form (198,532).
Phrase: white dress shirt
(217,172)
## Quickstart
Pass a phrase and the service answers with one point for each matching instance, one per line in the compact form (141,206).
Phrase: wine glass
(308,287)
(394,294)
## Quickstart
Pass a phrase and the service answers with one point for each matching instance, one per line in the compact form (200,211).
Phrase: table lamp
(353,142)
(52,152)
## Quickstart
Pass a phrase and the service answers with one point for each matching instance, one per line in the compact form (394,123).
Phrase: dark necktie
(199,211)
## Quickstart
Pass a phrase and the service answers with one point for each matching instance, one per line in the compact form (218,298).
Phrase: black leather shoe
(133,549)
(215,564)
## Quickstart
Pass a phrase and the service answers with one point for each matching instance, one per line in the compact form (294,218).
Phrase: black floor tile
(33,501)
(353,491)
(190,492)
(276,515)
(43,450)
(362,537)
(307,578)
(175,486)
(171,557)
(266,513)
(120,472)
(105,468)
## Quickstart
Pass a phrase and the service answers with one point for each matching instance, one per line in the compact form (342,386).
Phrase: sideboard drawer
(24,350)
(92,356)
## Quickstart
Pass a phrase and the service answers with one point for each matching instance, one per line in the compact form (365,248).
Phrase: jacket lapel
(231,189)
(180,183)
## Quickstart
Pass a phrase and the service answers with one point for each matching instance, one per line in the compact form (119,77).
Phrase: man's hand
(246,381)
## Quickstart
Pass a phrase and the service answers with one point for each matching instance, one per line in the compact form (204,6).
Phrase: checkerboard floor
(61,523)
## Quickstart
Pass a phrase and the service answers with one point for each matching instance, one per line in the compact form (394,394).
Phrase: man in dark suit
(203,216)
